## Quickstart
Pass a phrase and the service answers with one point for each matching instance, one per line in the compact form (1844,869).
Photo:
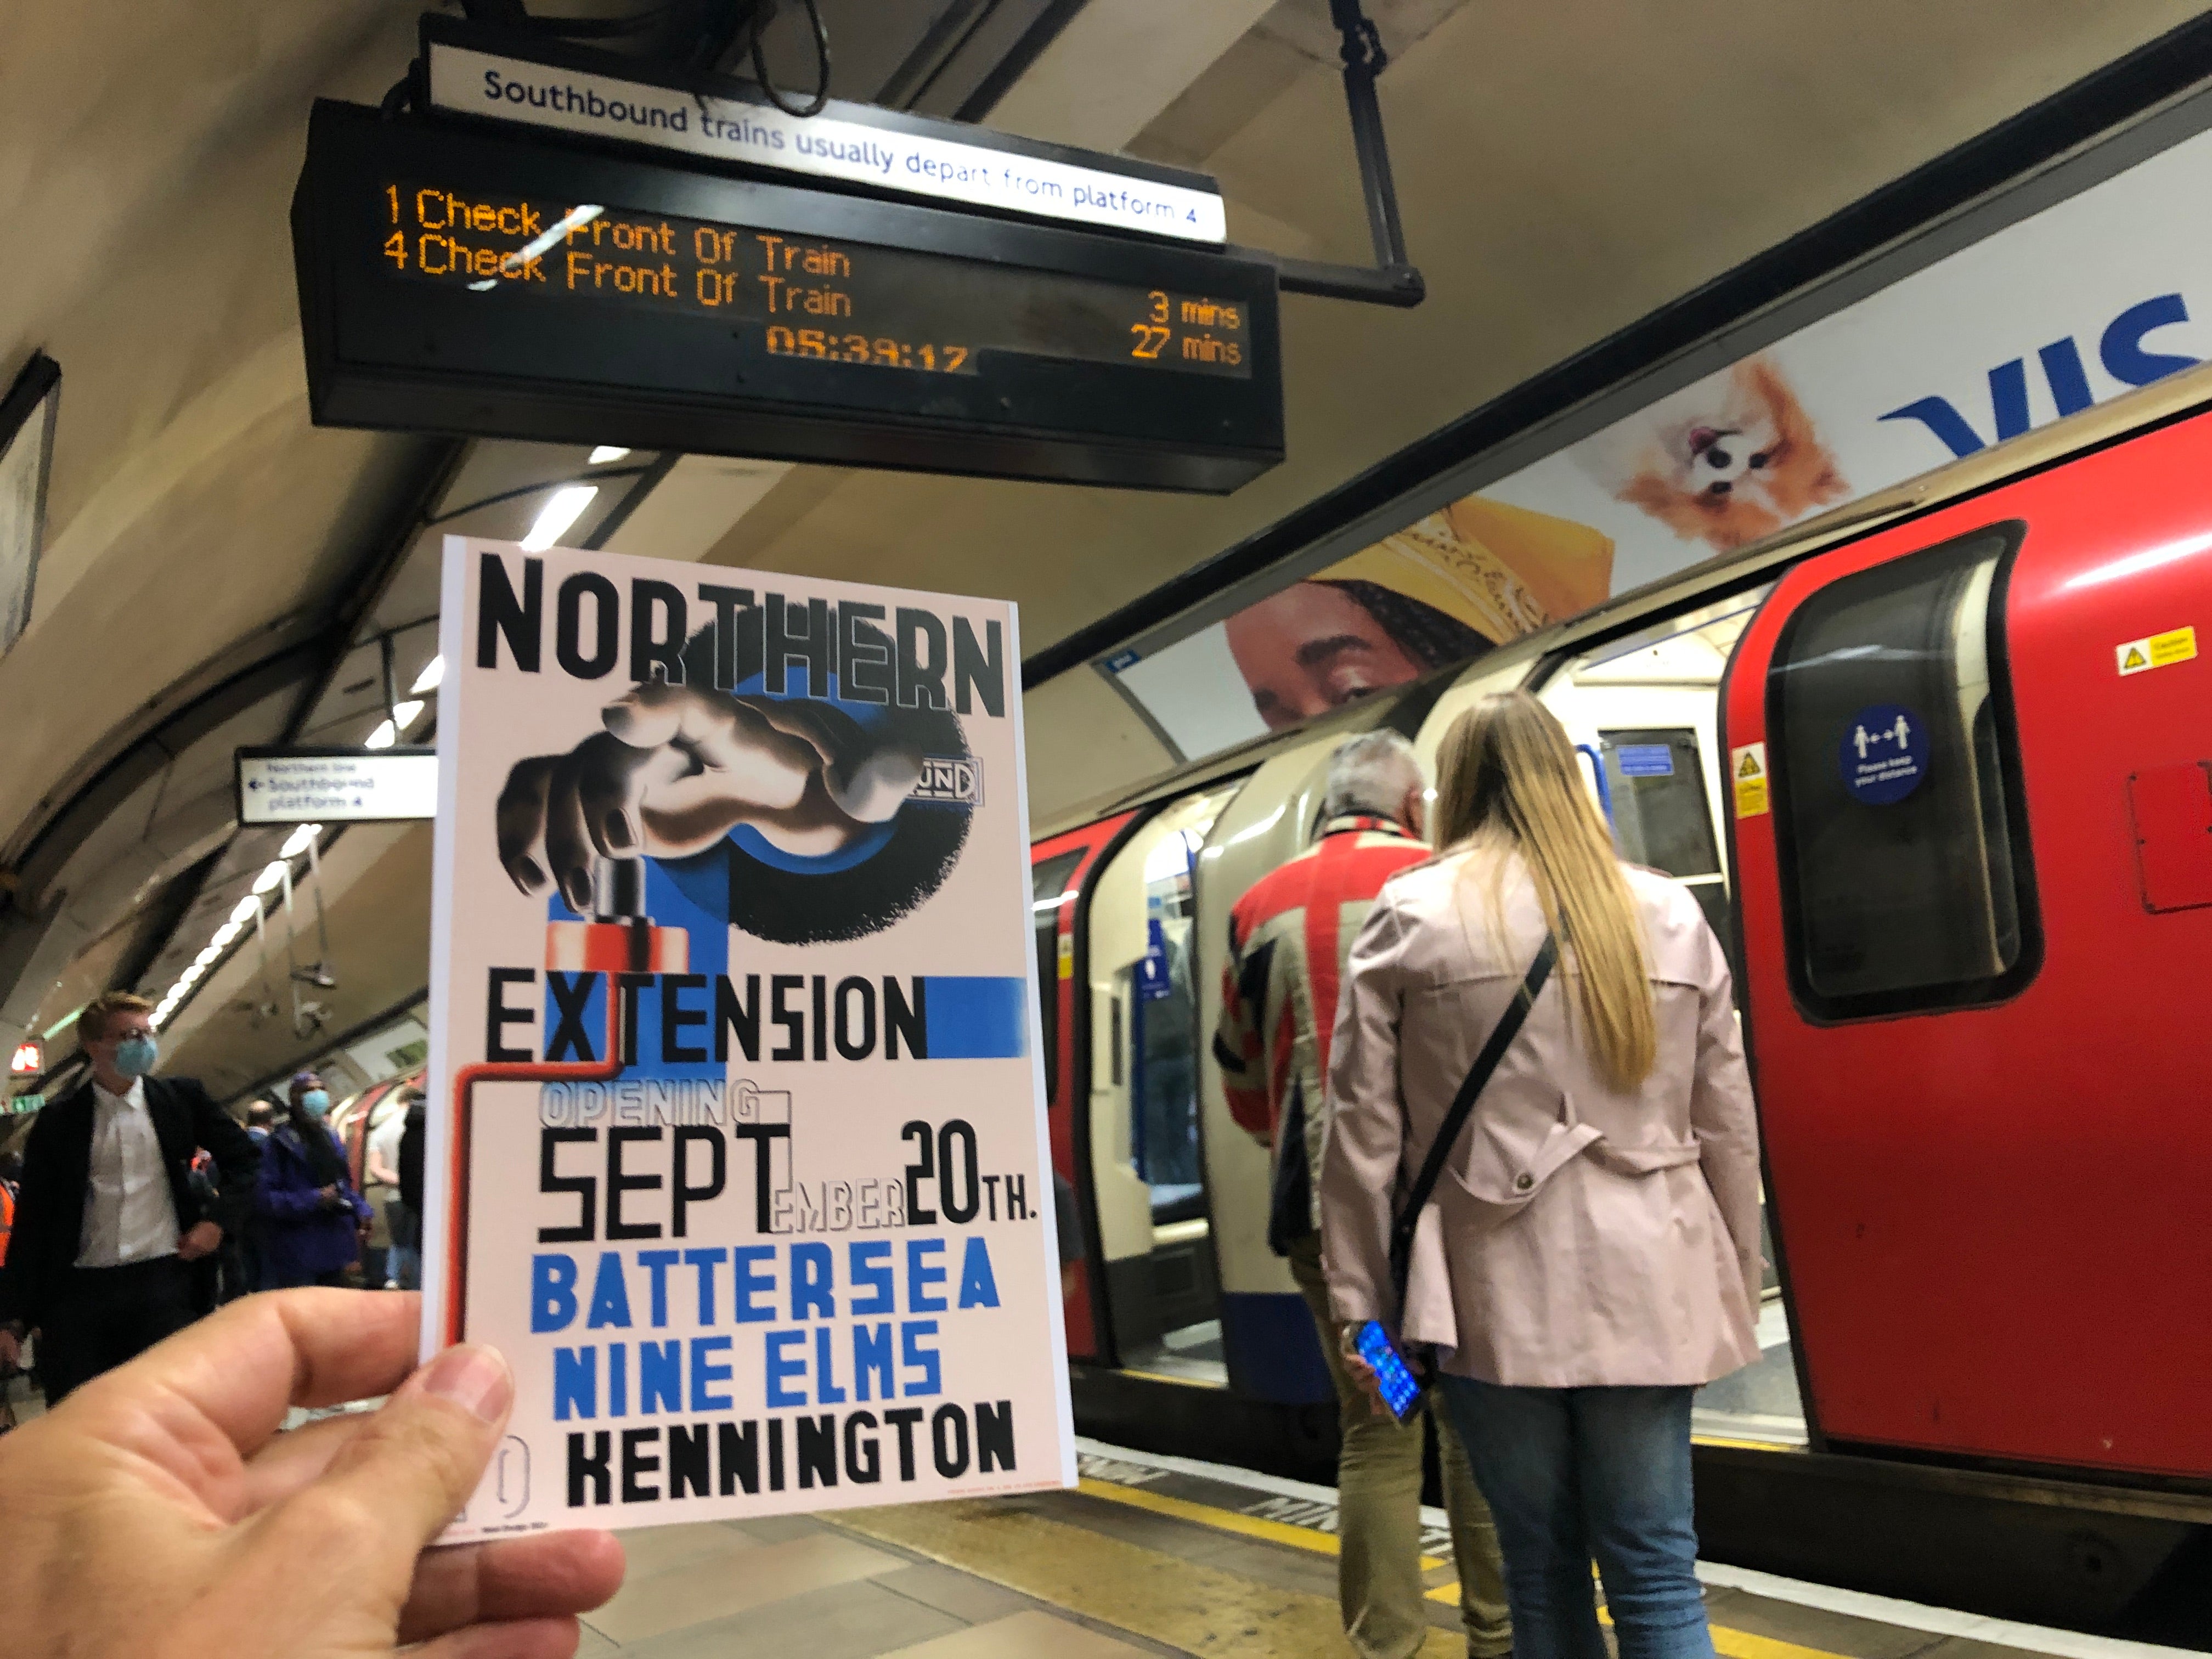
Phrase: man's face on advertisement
(1310,648)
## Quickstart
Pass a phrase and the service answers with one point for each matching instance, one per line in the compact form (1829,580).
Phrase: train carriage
(1938,766)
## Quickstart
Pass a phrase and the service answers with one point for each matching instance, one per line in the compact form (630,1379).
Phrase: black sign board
(454,279)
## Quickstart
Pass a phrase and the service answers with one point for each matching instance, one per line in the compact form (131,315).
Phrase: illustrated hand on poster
(678,768)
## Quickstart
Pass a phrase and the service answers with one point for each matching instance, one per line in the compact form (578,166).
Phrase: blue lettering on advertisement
(1884,754)
(2120,348)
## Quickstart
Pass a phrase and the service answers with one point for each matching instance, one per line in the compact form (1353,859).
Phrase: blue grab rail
(1597,770)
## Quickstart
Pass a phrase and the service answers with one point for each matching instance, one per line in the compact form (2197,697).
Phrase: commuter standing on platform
(1594,1251)
(107,1227)
(1287,937)
(381,1187)
(312,1221)
(409,1160)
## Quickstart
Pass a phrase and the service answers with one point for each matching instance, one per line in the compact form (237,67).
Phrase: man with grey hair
(1288,939)
(1376,774)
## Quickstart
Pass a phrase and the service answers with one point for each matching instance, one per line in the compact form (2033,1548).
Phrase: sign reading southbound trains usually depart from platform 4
(524,261)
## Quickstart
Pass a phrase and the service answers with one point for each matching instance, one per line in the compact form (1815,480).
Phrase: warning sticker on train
(1883,753)
(736,1144)
(2156,651)
(1747,765)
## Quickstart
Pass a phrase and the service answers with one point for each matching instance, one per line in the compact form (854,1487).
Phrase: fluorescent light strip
(554,519)
(576,218)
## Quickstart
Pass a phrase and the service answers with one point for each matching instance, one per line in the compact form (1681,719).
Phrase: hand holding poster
(736,1144)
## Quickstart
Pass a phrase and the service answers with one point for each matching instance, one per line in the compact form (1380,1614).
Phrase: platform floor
(1151,1555)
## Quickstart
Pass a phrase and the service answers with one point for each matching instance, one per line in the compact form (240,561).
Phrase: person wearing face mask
(109,1223)
(312,1218)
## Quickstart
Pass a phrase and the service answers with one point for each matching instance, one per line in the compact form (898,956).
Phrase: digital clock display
(800,296)
(461,279)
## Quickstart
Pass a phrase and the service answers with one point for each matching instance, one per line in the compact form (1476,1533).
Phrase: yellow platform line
(1185,1604)
(1734,1643)
(1221,1520)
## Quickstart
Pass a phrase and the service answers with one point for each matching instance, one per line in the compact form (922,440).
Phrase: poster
(737,1142)
(2106,290)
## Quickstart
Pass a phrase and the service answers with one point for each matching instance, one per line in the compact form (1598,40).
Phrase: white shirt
(384,1139)
(128,1215)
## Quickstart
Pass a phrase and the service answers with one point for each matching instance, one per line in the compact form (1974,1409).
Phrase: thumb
(410,1468)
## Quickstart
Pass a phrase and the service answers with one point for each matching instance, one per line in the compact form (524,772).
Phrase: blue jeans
(405,1263)
(1574,1475)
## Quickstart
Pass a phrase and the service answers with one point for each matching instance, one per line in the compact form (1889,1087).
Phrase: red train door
(1058,868)
(1969,758)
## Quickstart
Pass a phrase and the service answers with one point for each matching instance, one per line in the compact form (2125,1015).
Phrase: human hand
(1362,1373)
(329,1195)
(678,767)
(201,1238)
(159,1510)
(11,1348)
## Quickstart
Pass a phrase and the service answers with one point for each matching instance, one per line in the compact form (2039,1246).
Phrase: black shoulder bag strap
(1462,1106)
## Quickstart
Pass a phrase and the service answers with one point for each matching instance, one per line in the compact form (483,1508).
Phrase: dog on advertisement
(1725,462)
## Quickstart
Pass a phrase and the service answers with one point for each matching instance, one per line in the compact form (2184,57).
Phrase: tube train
(1971,970)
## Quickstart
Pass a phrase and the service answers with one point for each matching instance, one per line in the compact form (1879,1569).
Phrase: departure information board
(454,280)
(842,303)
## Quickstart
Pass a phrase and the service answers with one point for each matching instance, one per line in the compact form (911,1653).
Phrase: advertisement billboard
(2095,292)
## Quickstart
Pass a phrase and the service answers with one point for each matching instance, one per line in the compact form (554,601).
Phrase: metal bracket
(1393,280)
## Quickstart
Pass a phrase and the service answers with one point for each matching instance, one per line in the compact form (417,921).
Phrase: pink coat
(1578,1236)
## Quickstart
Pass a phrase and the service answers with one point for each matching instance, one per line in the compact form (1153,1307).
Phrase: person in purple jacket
(311,1218)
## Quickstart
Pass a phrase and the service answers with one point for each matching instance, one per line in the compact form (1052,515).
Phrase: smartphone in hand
(1401,1389)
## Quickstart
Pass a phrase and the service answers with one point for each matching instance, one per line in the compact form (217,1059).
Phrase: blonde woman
(1591,1255)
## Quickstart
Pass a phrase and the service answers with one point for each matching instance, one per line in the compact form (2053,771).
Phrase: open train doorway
(1643,713)
(1163,1285)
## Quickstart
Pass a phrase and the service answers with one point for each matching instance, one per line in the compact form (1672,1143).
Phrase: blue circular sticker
(1884,753)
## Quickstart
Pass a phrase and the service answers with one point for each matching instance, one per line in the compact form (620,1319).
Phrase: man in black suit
(109,1226)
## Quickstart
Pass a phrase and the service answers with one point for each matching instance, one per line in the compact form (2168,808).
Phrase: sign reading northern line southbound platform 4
(337,786)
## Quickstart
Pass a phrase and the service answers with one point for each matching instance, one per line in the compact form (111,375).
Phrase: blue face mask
(315,1101)
(134,1056)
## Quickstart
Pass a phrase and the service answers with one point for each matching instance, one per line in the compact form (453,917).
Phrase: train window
(1905,876)
(1656,792)
(1657,796)
(1047,884)
(1644,711)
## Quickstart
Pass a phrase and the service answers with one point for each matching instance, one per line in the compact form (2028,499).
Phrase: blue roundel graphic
(1884,753)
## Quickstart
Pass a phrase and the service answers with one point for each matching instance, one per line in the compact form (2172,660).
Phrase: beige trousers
(1378,1484)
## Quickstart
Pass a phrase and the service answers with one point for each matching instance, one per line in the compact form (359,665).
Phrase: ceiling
(218,571)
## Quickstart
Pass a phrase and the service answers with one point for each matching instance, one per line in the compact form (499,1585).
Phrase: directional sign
(337,786)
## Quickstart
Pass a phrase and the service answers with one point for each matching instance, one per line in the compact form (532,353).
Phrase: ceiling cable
(822,53)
